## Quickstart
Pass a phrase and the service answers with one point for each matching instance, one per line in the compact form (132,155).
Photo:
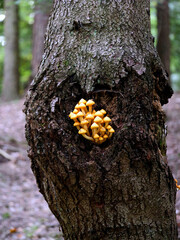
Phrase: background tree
(41,15)
(122,189)
(163,40)
(11,60)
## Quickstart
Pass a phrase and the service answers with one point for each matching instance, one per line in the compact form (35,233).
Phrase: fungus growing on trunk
(92,124)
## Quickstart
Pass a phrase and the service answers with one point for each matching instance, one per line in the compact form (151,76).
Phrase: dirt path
(24,214)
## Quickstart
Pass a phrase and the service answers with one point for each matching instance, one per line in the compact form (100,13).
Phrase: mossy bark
(123,188)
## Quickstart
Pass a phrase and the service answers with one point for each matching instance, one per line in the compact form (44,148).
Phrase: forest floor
(24,214)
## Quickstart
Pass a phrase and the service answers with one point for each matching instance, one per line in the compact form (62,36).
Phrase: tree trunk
(42,11)
(11,61)
(123,188)
(163,41)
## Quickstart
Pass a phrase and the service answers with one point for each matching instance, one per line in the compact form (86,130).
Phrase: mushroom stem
(86,128)
(90,109)
(111,131)
(87,137)
(110,135)
(84,111)
(94,131)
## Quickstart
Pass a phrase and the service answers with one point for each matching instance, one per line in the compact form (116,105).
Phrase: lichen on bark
(122,189)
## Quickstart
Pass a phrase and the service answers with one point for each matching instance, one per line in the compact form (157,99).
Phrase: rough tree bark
(11,60)
(42,11)
(122,189)
(163,40)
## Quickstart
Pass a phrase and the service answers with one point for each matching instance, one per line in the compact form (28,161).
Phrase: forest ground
(24,214)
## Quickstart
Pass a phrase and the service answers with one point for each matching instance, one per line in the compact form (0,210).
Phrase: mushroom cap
(80,114)
(98,120)
(82,105)
(103,111)
(90,116)
(83,122)
(75,111)
(94,125)
(111,130)
(82,101)
(107,119)
(76,124)
(102,129)
(105,136)
(82,131)
(70,114)
(73,116)
(77,106)
(108,127)
(99,114)
(100,138)
(90,103)
(96,136)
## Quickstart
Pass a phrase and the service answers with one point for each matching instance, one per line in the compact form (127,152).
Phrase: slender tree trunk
(42,11)
(11,61)
(123,188)
(163,41)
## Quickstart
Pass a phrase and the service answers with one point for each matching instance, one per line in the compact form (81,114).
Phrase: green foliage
(25,40)
(174,11)
(1,4)
(26,19)
(175,35)
(154,20)
(6,215)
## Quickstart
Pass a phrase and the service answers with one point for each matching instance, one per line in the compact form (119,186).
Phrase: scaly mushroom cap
(82,101)
(94,125)
(70,114)
(96,136)
(75,111)
(100,139)
(80,114)
(82,105)
(82,131)
(73,116)
(105,136)
(106,119)
(76,124)
(77,106)
(99,114)
(90,116)
(84,122)
(102,129)
(111,130)
(103,111)
(90,103)
(98,120)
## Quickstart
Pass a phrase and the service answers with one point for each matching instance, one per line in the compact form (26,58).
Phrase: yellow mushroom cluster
(92,125)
